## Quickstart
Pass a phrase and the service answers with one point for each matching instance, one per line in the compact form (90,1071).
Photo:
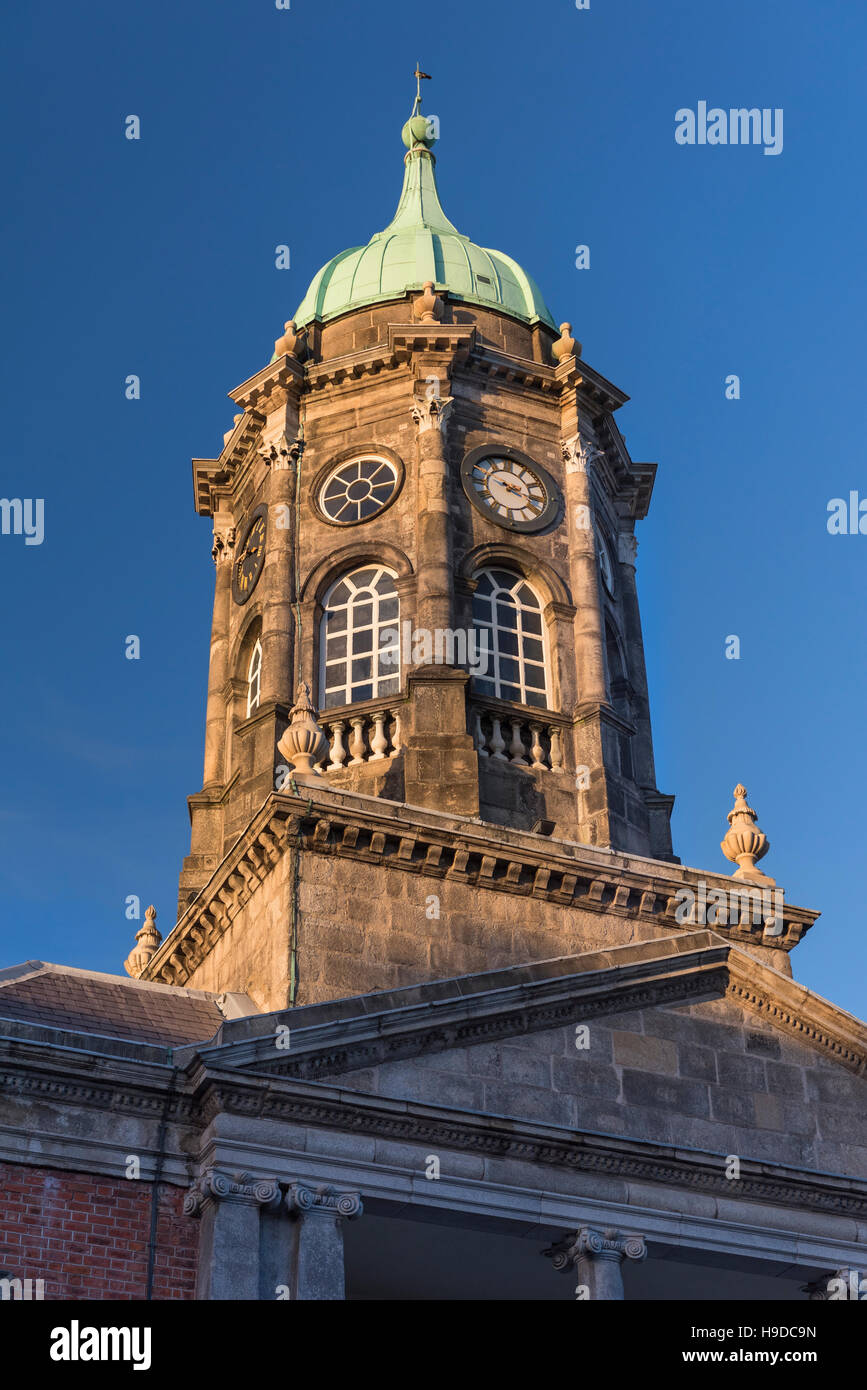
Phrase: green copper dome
(419,244)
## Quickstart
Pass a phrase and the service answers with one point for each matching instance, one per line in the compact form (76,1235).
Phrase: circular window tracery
(357,490)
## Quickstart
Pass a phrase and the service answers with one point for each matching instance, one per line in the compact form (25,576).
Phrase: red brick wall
(87,1236)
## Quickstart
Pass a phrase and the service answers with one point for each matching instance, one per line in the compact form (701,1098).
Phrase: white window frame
(493,629)
(254,677)
(378,626)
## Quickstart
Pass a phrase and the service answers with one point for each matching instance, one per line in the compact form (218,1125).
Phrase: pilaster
(316,1263)
(230,1208)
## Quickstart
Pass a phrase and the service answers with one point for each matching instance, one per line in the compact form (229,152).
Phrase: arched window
(507,616)
(359,639)
(618,687)
(254,677)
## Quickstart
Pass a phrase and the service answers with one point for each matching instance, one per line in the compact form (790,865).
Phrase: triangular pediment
(343,1035)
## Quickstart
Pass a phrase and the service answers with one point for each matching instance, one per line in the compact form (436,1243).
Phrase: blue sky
(156,258)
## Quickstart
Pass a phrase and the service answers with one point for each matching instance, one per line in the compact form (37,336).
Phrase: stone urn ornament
(744,841)
(428,307)
(566,345)
(149,938)
(303,744)
(292,341)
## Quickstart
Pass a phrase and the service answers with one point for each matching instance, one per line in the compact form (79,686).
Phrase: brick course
(87,1236)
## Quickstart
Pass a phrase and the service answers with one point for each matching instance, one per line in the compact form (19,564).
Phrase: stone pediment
(331,1039)
(695,1054)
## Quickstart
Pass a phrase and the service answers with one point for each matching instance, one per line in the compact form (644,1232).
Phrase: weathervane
(419,76)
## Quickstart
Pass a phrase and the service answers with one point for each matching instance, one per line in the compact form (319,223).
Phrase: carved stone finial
(148,938)
(428,308)
(566,345)
(303,744)
(744,841)
(291,343)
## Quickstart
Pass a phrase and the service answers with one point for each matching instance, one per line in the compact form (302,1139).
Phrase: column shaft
(218,670)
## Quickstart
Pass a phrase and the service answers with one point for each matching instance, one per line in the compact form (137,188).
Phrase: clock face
(514,493)
(249,557)
(359,490)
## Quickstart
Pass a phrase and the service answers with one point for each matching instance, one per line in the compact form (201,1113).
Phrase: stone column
(441,766)
(583,572)
(230,1207)
(218,671)
(596,1258)
(278,576)
(316,1268)
(433,536)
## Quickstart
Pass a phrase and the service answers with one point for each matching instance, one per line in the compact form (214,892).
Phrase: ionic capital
(214,1186)
(592,1244)
(322,1201)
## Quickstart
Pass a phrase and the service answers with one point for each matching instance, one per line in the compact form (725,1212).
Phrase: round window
(356,491)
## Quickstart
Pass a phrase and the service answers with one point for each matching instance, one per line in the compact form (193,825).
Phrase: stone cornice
(201,1093)
(503,369)
(210,476)
(452,340)
(594,390)
(201,1087)
(440,1127)
(364,828)
(271,387)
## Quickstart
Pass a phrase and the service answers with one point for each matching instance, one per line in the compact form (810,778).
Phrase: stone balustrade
(370,737)
(517,738)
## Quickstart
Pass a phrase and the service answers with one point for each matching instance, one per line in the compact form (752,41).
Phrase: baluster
(356,746)
(537,751)
(556,751)
(395,738)
(497,742)
(338,752)
(379,742)
(516,747)
(480,736)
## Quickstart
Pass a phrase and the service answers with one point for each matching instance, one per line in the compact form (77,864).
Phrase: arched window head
(360,638)
(507,616)
(254,677)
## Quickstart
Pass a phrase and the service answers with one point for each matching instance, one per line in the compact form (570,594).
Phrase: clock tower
(424,520)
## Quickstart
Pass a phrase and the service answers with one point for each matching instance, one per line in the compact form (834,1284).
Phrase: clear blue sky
(156,257)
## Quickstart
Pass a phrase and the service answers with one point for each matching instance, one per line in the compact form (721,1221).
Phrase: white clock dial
(510,489)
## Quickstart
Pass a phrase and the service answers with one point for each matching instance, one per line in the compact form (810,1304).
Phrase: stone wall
(705,1076)
(365,926)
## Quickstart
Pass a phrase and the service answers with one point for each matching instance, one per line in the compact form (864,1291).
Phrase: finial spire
(148,938)
(744,841)
(419,78)
(419,132)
